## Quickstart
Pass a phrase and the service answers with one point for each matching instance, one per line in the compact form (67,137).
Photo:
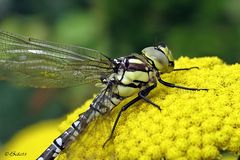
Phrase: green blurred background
(116,28)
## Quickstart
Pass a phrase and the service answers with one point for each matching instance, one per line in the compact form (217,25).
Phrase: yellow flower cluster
(30,142)
(191,125)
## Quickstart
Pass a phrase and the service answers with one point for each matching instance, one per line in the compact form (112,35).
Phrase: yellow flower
(30,142)
(191,125)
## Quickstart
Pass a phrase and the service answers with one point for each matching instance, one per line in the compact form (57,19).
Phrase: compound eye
(158,48)
(161,57)
(164,49)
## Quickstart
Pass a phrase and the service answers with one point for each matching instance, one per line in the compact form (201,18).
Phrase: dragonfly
(36,63)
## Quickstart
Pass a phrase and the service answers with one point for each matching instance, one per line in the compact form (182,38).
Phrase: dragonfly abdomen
(66,137)
(102,104)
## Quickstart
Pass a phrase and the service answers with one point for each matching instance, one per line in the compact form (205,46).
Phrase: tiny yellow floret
(191,125)
(30,142)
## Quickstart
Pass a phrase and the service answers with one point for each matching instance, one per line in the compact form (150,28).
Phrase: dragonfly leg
(119,115)
(140,96)
(185,69)
(144,93)
(176,86)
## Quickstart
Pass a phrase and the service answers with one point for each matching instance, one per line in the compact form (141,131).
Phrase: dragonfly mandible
(36,63)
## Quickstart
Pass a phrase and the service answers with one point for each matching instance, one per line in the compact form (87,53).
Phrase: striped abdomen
(102,104)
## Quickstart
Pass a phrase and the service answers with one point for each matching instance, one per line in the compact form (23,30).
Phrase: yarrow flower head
(28,143)
(191,125)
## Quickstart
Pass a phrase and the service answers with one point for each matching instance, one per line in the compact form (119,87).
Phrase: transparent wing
(31,62)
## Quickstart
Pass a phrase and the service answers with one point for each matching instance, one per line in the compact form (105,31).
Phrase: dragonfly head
(161,57)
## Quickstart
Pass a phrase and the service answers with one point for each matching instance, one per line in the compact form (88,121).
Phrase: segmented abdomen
(102,104)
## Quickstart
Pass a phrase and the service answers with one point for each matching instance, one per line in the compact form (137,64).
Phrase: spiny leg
(143,95)
(176,86)
(119,115)
(140,96)
(185,69)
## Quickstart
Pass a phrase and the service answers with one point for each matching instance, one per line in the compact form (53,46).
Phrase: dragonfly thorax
(132,74)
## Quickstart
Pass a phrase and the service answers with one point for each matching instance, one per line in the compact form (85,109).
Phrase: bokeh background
(116,28)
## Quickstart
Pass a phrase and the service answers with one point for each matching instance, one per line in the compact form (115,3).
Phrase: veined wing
(32,62)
